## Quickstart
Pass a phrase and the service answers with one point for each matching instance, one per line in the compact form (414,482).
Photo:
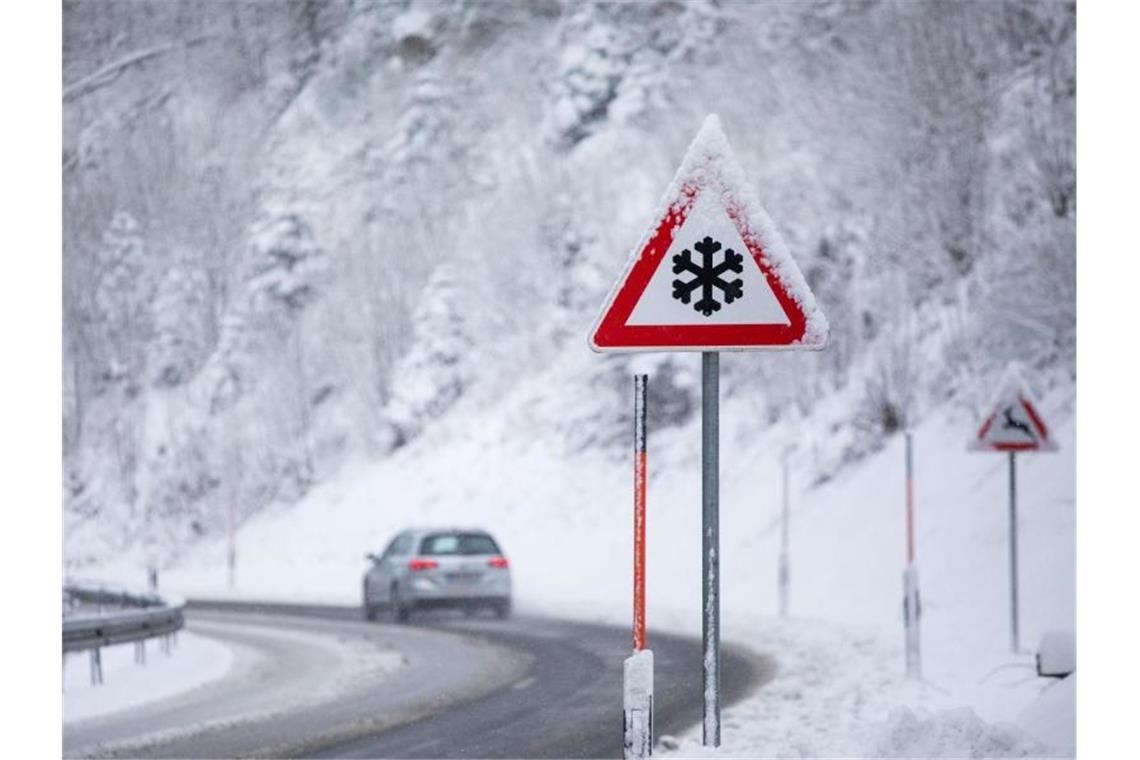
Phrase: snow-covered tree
(181,325)
(439,367)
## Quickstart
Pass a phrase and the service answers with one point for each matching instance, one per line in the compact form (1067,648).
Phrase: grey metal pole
(710,543)
(96,667)
(1013,613)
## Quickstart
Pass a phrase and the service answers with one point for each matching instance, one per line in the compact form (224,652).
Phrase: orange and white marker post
(637,699)
(639,387)
(912,606)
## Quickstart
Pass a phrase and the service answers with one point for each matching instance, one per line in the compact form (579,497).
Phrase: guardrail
(135,617)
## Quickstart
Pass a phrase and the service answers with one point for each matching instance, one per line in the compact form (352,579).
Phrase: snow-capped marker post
(1012,425)
(912,607)
(640,383)
(637,673)
(710,274)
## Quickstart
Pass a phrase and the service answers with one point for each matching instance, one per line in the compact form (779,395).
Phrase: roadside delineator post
(637,674)
(231,546)
(912,605)
(784,571)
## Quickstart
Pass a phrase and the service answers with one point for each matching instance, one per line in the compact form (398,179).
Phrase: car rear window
(458,543)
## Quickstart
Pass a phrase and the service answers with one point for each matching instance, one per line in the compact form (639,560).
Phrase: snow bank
(565,520)
(949,733)
(1052,718)
(195,661)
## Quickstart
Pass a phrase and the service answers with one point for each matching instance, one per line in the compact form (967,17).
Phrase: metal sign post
(1013,613)
(1013,424)
(710,544)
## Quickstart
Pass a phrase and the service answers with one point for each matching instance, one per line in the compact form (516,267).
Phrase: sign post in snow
(1013,425)
(711,274)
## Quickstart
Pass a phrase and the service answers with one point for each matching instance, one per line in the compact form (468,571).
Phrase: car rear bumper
(457,601)
(429,590)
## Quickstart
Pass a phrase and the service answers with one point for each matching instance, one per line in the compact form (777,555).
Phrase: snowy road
(317,681)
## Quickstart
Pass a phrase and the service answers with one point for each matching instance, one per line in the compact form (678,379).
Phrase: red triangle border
(613,332)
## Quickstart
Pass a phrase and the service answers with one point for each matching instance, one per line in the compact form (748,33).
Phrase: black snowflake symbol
(708,276)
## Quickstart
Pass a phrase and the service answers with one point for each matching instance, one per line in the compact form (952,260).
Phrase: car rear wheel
(366,606)
(400,611)
(502,610)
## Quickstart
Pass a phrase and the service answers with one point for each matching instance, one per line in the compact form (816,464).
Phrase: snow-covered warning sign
(1013,424)
(712,273)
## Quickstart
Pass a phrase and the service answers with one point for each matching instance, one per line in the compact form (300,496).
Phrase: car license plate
(464,577)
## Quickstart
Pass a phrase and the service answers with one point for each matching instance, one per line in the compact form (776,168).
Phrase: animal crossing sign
(1013,423)
(712,272)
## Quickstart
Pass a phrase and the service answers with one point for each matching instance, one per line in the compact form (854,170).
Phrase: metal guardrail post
(96,667)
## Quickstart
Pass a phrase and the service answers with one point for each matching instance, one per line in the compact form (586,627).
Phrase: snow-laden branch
(111,71)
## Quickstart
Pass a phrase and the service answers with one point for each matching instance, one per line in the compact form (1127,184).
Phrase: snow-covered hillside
(329,269)
(299,236)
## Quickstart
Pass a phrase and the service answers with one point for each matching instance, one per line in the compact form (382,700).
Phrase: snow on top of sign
(710,165)
(1011,386)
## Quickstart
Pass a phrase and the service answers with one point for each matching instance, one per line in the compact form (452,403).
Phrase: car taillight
(497,562)
(422,564)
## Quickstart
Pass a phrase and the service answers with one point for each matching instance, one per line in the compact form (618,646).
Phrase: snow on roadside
(1053,716)
(839,692)
(194,661)
(563,518)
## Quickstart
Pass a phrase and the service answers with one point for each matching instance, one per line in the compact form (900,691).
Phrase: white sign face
(659,303)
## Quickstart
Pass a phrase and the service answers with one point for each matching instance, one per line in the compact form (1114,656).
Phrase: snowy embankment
(564,518)
(194,662)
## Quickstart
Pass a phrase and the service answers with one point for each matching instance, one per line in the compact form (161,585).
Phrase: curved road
(525,687)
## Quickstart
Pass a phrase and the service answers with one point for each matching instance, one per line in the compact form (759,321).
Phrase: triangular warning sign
(1013,424)
(712,273)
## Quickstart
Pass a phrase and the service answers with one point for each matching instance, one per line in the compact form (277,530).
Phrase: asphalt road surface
(467,687)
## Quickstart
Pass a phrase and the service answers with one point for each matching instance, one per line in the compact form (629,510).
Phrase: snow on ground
(194,661)
(839,693)
(564,519)
(1053,716)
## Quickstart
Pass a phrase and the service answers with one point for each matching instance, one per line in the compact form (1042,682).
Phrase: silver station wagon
(424,569)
